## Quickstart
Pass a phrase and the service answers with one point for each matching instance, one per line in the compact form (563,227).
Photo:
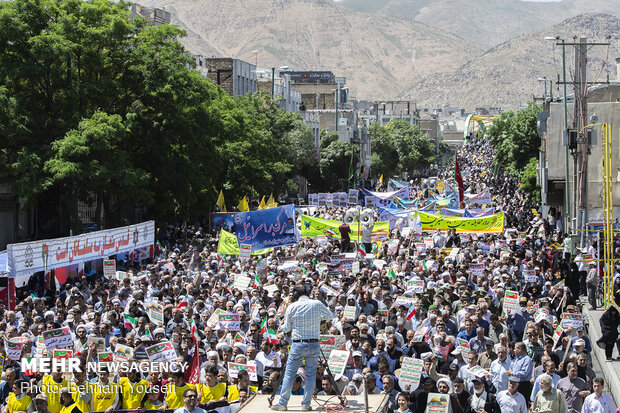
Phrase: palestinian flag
(263,326)
(130,322)
(391,274)
(411,312)
(361,251)
(256,282)
(270,335)
(194,331)
(184,302)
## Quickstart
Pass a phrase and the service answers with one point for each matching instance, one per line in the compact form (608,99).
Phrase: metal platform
(377,403)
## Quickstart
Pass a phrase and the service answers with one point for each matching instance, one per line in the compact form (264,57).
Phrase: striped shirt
(304,317)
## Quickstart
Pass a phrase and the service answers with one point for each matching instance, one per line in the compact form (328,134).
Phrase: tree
(528,180)
(384,156)
(336,162)
(516,138)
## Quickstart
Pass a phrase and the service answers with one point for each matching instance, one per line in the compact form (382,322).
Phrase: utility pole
(580,120)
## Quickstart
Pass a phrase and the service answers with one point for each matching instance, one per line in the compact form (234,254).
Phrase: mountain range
(435,53)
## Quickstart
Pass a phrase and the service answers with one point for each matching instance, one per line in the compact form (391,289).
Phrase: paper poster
(213,321)
(229,321)
(235,368)
(156,314)
(245,250)
(437,403)
(270,288)
(338,361)
(105,357)
(330,342)
(122,352)
(163,351)
(476,269)
(13,349)
(511,302)
(464,345)
(109,269)
(572,320)
(410,372)
(121,275)
(41,349)
(355,267)
(478,371)
(99,341)
(349,312)
(241,282)
(57,338)
(542,314)
(417,286)
(530,276)
(62,354)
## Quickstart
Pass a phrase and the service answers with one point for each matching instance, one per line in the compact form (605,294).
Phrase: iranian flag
(194,331)
(148,334)
(184,302)
(263,326)
(82,349)
(130,322)
(270,335)
(330,232)
(256,282)
(361,251)
(411,311)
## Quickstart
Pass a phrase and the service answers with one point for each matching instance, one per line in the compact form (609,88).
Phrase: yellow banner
(314,227)
(487,224)
(229,245)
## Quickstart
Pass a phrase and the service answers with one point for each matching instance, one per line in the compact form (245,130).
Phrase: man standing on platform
(303,319)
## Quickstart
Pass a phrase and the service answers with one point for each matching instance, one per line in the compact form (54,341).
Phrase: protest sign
(57,338)
(478,371)
(245,250)
(331,342)
(13,349)
(511,302)
(229,321)
(542,314)
(437,403)
(109,269)
(241,282)
(235,368)
(163,351)
(338,361)
(417,286)
(214,319)
(572,320)
(122,352)
(476,269)
(350,312)
(556,335)
(271,288)
(99,343)
(464,346)
(410,371)
(530,276)
(156,314)
(105,357)
(488,224)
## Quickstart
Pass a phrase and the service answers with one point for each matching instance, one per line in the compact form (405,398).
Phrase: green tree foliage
(335,165)
(399,147)
(95,103)
(528,180)
(516,139)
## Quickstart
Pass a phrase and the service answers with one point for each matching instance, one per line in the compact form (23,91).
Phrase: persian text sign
(410,372)
(57,338)
(27,258)
(511,302)
(273,227)
(163,351)
(487,224)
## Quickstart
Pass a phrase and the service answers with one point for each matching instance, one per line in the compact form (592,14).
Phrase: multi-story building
(156,16)
(234,76)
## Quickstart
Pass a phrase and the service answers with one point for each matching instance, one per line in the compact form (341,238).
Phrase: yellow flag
(228,243)
(381,180)
(271,203)
(243,205)
(262,204)
(220,202)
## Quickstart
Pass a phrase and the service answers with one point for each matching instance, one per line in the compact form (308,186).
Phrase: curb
(610,369)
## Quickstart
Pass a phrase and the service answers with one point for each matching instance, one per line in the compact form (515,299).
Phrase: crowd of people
(487,359)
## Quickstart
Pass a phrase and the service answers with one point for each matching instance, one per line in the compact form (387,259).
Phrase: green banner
(315,227)
(487,224)
(228,245)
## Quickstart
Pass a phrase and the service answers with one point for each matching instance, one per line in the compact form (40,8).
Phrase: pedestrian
(575,388)
(609,331)
(190,401)
(549,399)
(345,239)
(510,400)
(598,402)
(303,319)
(592,284)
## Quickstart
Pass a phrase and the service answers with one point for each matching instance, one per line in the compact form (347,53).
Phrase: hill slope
(507,74)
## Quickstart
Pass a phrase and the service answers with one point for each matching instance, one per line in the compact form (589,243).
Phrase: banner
(228,245)
(222,220)
(511,302)
(156,314)
(467,213)
(273,227)
(13,349)
(397,218)
(313,227)
(571,320)
(410,372)
(482,198)
(57,338)
(26,258)
(489,224)
(384,199)
(229,321)
(437,403)
(235,368)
